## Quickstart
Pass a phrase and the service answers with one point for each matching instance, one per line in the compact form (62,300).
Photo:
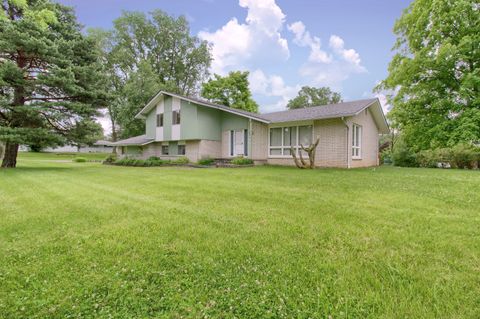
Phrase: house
(183,126)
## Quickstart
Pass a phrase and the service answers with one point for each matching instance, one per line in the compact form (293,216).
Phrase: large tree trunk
(114,137)
(10,157)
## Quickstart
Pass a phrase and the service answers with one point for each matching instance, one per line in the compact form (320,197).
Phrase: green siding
(173,148)
(188,120)
(209,123)
(151,123)
(167,119)
(233,122)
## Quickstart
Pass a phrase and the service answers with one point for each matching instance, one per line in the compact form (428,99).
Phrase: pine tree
(50,77)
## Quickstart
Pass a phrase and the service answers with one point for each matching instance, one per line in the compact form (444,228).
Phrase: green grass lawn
(84,240)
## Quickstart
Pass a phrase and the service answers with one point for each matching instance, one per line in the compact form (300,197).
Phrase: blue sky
(343,44)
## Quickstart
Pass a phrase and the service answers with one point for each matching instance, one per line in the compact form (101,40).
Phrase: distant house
(183,126)
(100,146)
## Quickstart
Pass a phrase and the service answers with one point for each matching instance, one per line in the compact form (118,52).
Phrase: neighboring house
(99,146)
(182,126)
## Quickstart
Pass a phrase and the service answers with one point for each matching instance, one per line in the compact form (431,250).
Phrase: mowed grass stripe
(98,241)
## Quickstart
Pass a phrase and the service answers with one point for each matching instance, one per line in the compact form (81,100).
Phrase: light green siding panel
(209,123)
(188,120)
(167,119)
(173,148)
(233,122)
(150,124)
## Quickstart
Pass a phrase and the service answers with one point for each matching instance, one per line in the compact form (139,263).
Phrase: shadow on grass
(35,169)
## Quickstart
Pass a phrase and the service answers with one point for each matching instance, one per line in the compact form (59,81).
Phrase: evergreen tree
(50,79)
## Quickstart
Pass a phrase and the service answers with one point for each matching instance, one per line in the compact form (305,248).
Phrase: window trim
(282,147)
(359,146)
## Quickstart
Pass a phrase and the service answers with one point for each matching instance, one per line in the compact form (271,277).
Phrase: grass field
(82,240)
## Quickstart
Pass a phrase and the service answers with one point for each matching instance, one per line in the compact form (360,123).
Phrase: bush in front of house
(79,160)
(150,162)
(206,161)
(242,161)
(181,160)
(110,159)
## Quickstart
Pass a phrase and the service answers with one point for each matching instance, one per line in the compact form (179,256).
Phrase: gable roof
(151,104)
(329,111)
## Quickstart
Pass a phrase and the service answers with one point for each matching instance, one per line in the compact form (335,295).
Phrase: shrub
(428,158)
(181,160)
(111,158)
(206,161)
(80,159)
(403,156)
(153,158)
(242,161)
(386,157)
(463,156)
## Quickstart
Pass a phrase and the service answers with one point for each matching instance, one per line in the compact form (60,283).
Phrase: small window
(175,117)
(164,149)
(356,141)
(181,149)
(160,120)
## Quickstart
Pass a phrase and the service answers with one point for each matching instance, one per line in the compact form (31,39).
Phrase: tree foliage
(145,54)
(310,96)
(231,90)
(50,77)
(435,73)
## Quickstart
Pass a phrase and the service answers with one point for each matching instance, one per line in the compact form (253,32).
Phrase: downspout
(250,133)
(348,147)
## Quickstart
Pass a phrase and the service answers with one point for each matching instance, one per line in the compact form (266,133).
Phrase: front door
(239,143)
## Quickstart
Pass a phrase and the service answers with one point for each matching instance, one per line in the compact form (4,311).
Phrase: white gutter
(348,146)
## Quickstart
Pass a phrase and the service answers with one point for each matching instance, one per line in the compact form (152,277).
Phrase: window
(181,149)
(160,120)
(356,141)
(164,149)
(175,117)
(283,138)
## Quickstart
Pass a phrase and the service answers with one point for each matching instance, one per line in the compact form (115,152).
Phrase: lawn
(85,240)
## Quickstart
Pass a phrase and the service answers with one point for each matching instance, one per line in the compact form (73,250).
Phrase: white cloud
(350,55)
(326,68)
(272,86)
(304,39)
(235,44)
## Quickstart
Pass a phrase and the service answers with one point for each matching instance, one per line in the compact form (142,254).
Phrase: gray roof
(319,112)
(102,143)
(136,140)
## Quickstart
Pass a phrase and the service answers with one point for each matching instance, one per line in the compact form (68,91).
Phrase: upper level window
(160,120)
(282,139)
(356,141)
(176,117)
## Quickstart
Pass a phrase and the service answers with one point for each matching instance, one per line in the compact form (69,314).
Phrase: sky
(284,44)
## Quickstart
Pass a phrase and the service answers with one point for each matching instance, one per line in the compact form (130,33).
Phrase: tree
(231,90)
(435,74)
(49,75)
(310,96)
(147,54)
(85,133)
